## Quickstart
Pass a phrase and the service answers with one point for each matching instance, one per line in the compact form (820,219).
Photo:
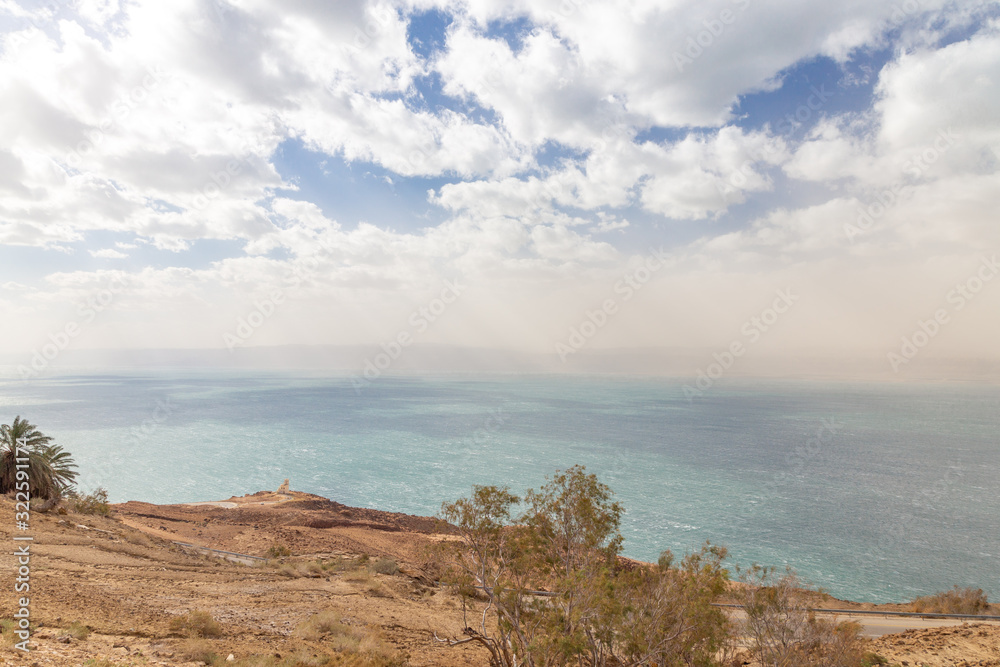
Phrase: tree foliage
(557,593)
(544,578)
(50,470)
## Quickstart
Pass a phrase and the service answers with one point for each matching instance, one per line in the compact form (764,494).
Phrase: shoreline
(818,599)
(117,585)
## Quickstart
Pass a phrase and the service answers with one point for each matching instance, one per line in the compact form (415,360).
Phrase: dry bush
(312,569)
(78,630)
(319,626)
(354,644)
(385,566)
(198,650)
(278,551)
(7,627)
(138,538)
(377,589)
(362,576)
(783,633)
(89,503)
(300,659)
(346,564)
(196,623)
(956,601)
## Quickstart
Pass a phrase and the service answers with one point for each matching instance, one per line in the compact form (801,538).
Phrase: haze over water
(876,492)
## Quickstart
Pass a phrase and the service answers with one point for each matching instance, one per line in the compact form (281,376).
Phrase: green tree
(491,563)
(666,615)
(50,472)
(554,590)
(573,525)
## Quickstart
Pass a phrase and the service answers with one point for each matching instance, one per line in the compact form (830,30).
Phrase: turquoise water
(875,492)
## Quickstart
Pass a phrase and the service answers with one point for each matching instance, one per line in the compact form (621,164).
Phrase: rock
(230,658)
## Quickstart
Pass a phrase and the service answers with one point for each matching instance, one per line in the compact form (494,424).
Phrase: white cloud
(932,119)
(697,177)
(158,124)
(108,253)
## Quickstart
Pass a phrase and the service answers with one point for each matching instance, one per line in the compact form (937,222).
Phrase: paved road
(876,626)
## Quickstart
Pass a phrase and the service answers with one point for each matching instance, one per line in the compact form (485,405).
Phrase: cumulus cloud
(554,140)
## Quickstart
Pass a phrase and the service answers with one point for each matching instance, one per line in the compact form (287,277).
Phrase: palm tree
(51,471)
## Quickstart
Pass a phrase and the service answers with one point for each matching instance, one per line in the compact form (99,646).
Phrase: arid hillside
(308,580)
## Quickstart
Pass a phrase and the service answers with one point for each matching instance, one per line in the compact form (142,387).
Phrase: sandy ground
(125,578)
(967,645)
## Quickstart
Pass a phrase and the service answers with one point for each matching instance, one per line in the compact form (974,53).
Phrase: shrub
(90,503)
(781,630)
(360,576)
(278,551)
(599,611)
(196,624)
(7,627)
(312,569)
(300,659)
(198,650)
(344,564)
(385,566)
(351,640)
(137,538)
(78,630)
(568,540)
(322,625)
(956,601)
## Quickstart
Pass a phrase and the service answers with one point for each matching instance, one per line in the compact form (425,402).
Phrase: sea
(873,492)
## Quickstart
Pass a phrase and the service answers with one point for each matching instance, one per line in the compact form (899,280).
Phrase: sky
(770,179)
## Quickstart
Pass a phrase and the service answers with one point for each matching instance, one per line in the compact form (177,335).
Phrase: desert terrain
(291,578)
